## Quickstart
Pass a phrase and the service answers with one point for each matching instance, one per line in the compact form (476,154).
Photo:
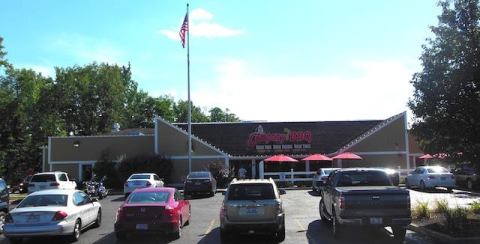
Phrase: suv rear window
(140,177)
(43,178)
(251,192)
(198,175)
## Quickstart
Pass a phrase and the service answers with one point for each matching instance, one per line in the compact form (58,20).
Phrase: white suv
(141,180)
(51,180)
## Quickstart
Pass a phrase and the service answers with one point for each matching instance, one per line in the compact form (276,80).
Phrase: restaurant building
(381,143)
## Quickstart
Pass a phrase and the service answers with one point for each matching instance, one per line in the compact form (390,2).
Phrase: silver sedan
(52,213)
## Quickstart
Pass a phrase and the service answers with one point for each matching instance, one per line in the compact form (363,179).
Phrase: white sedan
(425,177)
(52,213)
(141,180)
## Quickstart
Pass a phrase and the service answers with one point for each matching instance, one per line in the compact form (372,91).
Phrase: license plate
(142,226)
(198,183)
(376,221)
(33,219)
(251,211)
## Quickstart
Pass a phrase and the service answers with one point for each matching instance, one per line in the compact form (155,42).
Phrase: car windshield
(364,178)
(140,177)
(148,197)
(437,170)
(198,175)
(43,178)
(251,192)
(328,171)
(44,200)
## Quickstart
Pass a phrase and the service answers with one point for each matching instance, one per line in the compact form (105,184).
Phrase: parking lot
(302,222)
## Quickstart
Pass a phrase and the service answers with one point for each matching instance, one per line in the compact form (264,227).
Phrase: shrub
(442,206)
(421,210)
(105,167)
(475,207)
(222,175)
(456,219)
(145,163)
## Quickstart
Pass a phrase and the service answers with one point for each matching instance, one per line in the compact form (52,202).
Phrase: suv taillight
(342,202)
(8,219)
(59,215)
(54,184)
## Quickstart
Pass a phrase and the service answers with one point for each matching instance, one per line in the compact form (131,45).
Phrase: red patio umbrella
(426,156)
(348,155)
(317,157)
(280,158)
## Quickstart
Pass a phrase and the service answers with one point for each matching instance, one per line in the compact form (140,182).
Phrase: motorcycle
(96,189)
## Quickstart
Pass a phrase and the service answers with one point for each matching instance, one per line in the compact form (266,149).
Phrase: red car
(153,210)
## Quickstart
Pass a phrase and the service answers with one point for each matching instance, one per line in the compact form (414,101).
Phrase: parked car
(141,180)
(21,185)
(363,197)
(252,206)
(200,182)
(467,175)
(51,180)
(320,178)
(393,174)
(52,213)
(153,210)
(429,177)
(4,203)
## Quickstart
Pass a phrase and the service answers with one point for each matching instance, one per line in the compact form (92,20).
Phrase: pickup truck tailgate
(376,201)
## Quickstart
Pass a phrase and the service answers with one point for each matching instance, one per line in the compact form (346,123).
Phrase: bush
(421,210)
(442,206)
(145,163)
(456,219)
(475,207)
(105,167)
(222,175)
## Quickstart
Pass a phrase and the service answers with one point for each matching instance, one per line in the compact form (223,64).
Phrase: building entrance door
(87,172)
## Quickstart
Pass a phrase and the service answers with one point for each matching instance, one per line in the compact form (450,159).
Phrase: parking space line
(299,225)
(210,226)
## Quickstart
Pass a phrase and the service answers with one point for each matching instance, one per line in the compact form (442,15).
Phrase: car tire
(15,240)
(280,235)
(77,229)
(2,220)
(121,236)
(321,209)
(337,228)
(98,221)
(422,186)
(469,184)
(399,233)
(189,216)
(178,232)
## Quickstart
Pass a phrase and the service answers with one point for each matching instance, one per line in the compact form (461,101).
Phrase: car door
(415,177)
(327,193)
(177,197)
(81,207)
(90,207)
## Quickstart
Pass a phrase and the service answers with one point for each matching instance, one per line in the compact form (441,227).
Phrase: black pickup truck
(364,197)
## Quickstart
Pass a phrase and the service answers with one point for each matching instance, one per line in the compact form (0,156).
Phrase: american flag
(183,30)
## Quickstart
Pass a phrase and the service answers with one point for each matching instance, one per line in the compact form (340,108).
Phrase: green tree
(446,100)
(181,113)
(218,115)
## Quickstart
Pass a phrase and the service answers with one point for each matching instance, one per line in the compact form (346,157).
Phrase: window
(63,177)
(251,192)
(43,178)
(149,197)
(139,177)
(44,200)
(155,177)
(199,175)
(437,170)
(364,178)
(80,198)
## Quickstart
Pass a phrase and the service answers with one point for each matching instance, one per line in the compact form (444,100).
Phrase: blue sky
(264,60)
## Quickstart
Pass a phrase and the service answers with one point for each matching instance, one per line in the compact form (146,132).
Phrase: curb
(442,237)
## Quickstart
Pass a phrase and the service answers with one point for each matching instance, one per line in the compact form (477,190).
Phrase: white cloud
(201,25)
(47,71)
(381,89)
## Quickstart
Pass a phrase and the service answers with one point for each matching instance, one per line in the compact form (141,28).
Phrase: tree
(446,100)
(181,112)
(218,115)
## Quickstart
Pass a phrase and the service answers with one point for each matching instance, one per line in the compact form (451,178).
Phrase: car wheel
(2,220)
(336,227)
(76,231)
(280,235)
(469,184)
(121,235)
(422,186)
(321,209)
(178,233)
(399,233)
(189,216)
(98,221)
(15,240)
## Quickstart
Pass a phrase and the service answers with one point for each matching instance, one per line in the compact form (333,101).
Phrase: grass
(442,206)
(421,210)
(475,207)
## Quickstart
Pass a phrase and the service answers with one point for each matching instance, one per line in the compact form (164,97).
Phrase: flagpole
(189,102)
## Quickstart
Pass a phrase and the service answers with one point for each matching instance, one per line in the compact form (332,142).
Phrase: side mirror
(282,192)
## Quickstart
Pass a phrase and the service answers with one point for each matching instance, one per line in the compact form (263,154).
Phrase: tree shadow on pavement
(314,193)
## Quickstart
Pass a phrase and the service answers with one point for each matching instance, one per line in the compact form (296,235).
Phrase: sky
(309,60)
